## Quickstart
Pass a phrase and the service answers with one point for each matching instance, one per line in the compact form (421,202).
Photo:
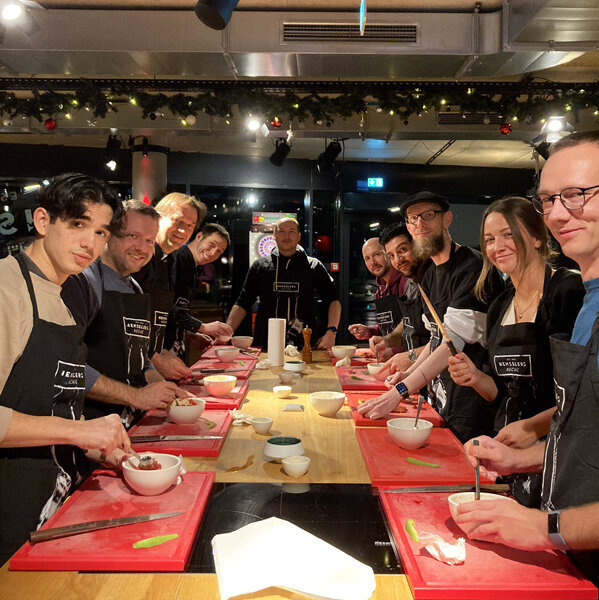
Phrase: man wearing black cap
(449,283)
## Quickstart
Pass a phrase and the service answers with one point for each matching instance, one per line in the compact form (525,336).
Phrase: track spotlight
(144,146)
(278,157)
(327,158)
(555,128)
(113,145)
(215,13)
(543,150)
(16,13)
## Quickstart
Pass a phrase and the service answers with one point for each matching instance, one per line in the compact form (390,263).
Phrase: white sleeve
(465,326)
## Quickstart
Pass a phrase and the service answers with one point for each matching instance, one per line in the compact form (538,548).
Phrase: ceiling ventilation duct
(350,32)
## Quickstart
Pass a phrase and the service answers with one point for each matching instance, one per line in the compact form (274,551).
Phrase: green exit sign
(375,182)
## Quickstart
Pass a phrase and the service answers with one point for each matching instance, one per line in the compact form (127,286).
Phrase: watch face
(402,389)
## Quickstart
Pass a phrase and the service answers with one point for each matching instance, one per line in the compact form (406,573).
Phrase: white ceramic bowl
(219,385)
(282,446)
(327,404)
(296,466)
(286,377)
(227,354)
(282,391)
(374,368)
(242,341)
(152,483)
(185,414)
(261,424)
(460,497)
(224,338)
(297,366)
(343,351)
(404,434)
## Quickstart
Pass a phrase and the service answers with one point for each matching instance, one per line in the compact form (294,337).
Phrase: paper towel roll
(276,341)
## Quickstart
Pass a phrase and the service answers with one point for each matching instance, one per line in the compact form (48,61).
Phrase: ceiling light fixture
(326,160)
(554,129)
(113,146)
(278,157)
(215,13)
(16,13)
(253,124)
(11,11)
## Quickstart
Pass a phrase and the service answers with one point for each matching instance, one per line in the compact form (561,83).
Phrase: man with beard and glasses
(411,333)
(390,286)
(449,281)
(110,304)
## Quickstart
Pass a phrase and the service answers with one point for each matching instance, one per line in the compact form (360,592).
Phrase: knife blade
(466,487)
(209,371)
(43,535)
(136,439)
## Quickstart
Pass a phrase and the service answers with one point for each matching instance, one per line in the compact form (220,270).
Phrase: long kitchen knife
(137,439)
(466,487)
(442,329)
(43,535)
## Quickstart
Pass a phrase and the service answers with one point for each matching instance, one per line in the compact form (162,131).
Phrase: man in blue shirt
(568,197)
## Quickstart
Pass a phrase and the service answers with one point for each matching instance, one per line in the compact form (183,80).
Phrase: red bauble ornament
(50,124)
(276,122)
(505,129)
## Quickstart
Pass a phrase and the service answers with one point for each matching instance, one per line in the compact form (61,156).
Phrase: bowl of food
(327,404)
(455,499)
(343,351)
(405,435)
(282,446)
(286,377)
(152,477)
(296,466)
(374,368)
(227,354)
(242,341)
(261,425)
(185,410)
(296,366)
(281,391)
(219,385)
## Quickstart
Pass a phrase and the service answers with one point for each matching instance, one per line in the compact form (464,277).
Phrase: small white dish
(327,404)
(374,368)
(460,497)
(185,414)
(219,385)
(282,391)
(282,446)
(242,341)
(405,435)
(296,466)
(286,377)
(261,425)
(297,366)
(343,351)
(227,354)
(154,482)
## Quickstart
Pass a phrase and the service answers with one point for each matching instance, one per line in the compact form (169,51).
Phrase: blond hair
(176,200)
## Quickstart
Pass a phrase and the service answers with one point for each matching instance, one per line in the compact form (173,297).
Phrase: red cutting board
(387,464)
(358,359)
(365,381)
(232,401)
(156,423)
(428,412)
(490,572)
(213,363)
(104,495)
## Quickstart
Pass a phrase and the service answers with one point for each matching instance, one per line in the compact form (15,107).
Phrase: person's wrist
(554,533)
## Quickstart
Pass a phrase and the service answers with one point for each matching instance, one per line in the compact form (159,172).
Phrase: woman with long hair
(540,302)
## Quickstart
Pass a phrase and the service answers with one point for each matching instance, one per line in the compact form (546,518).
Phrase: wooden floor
(335,458)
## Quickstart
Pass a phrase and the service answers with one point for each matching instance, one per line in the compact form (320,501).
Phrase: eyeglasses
(573,198)
(425,216)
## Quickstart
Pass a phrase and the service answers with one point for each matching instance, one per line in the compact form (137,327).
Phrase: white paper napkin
(277,553)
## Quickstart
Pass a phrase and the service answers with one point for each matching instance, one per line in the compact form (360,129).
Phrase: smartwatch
(553,530)
(332,328)
(402,389)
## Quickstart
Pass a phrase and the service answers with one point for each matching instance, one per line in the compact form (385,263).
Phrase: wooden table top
(335,458)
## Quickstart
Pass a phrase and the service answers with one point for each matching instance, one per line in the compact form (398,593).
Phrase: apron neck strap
(27,277)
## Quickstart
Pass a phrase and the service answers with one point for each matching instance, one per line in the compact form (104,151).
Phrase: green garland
(523,102)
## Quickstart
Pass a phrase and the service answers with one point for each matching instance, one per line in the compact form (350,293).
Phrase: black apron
(414,333)
(571,468)
(47,380)
(465,412)
(118,340)
(161,301)
(177,344)
(388,313)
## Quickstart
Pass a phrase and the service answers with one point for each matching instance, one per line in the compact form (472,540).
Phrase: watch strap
(553,530)
(332,328)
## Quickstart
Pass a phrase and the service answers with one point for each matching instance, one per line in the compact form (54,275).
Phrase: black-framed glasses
(427,215)
(573,198)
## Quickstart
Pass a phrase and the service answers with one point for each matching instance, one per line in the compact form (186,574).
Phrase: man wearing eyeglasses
(568,197)
(449,283)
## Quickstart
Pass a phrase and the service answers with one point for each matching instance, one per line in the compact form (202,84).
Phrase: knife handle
(44,535)
(451,347)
